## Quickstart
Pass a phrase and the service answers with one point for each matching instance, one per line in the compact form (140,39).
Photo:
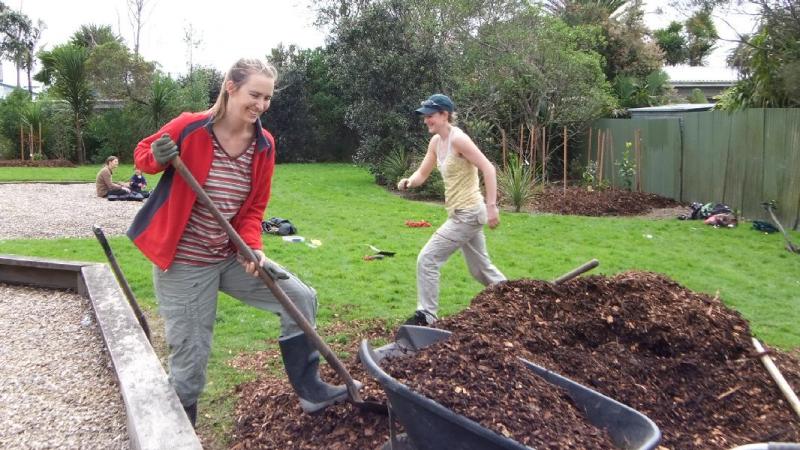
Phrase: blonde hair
(452,118)
(238,74)
(110,158)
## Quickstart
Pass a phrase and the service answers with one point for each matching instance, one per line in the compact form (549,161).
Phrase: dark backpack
(704,211)
(276,225)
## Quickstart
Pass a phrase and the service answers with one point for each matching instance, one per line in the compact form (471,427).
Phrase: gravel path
(48,211)
(57,388)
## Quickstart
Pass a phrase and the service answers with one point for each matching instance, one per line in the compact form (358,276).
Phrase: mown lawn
(340,206)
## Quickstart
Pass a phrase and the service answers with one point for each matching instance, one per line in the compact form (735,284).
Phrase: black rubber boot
(191,413)
(301,361)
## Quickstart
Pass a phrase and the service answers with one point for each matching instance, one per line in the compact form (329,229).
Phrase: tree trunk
(81,151)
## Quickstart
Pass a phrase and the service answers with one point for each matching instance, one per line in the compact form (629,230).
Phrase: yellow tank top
(461,187)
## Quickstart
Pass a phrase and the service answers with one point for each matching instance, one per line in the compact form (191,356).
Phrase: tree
(768,61)
(673,43)
(64,70)
(136,17)
(16,29)
(116,73)
(702,35)
(91,35)
(192,41)
(308,112)
(384,61)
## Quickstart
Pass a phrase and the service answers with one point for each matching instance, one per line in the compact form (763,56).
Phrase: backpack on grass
(278,226)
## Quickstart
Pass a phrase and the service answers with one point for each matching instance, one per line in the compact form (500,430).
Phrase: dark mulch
(480,377)
(681,358)
(41,163)
(609,202)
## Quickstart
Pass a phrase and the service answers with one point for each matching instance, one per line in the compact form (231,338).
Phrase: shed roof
(698,74)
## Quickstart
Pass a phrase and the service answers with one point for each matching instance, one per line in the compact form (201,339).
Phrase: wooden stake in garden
(532,151)
(544,155)
(30,140)
(600,154)
(503,146)
(589,149)
(565,161)
(637,150)
(611,154)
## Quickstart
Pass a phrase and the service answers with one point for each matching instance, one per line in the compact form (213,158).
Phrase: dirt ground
(682,358)
(608,202)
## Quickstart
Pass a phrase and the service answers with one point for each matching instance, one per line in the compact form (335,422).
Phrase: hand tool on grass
(126,288)
(379,254)
(285,301)
(770,206)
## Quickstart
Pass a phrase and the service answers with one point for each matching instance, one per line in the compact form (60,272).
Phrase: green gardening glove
(164,149)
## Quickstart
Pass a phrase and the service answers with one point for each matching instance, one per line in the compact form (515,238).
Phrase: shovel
(285,301)
(126,288)
(771,207)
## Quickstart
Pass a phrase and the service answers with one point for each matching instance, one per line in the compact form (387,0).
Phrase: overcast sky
(227,29)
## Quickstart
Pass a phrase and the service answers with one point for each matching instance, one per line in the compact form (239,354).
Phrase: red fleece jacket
(159,225)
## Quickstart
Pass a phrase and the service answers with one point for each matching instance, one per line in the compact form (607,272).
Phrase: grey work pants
(187,297)
(462,230)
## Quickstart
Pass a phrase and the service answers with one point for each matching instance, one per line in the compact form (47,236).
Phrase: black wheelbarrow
(431,426)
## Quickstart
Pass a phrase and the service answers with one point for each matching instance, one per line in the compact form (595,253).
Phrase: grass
(340,206)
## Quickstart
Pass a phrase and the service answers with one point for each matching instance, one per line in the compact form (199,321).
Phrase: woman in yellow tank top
(459,160)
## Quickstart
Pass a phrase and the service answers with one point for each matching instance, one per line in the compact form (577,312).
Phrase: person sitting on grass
(138,183)
(104,184)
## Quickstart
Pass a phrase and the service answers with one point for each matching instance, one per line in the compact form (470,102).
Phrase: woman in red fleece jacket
(233,158)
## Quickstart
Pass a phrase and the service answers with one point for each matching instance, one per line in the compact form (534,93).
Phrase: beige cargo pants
(462,230)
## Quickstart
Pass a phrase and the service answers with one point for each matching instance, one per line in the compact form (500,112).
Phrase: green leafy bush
(516,182)
(393,167)
(626,167)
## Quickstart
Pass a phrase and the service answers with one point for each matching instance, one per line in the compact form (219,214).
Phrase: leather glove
(164,149)
(275,271)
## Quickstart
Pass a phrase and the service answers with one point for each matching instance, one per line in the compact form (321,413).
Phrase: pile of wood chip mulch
(608,202)
(681,358)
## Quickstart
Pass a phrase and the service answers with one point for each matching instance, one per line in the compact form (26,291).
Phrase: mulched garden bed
(580,201)
(39,163)
(681,358)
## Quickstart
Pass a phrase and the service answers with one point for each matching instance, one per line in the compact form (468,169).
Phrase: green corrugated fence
(740,159)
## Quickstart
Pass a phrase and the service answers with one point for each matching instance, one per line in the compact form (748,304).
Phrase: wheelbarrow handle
(284,300)
(583,268)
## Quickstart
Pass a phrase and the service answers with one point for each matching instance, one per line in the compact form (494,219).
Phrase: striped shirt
(204,241)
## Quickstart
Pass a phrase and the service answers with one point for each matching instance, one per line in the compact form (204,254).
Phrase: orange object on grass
(417,223)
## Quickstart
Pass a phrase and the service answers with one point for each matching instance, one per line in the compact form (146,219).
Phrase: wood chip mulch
(682,358)
(580,201)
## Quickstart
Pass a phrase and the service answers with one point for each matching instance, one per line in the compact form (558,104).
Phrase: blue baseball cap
(436,103)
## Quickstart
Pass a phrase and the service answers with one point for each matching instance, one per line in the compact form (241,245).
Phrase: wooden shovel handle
(284,300)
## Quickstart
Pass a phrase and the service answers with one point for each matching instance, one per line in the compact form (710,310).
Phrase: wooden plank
(787,182)
(156,419)
(40,272)
(753,185)
(693,169)
(733,189)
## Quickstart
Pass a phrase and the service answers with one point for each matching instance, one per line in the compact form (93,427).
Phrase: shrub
(516,182)
(626,167)
(393,167)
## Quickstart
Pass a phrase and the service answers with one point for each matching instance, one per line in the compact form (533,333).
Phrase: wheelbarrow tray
(431,426)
